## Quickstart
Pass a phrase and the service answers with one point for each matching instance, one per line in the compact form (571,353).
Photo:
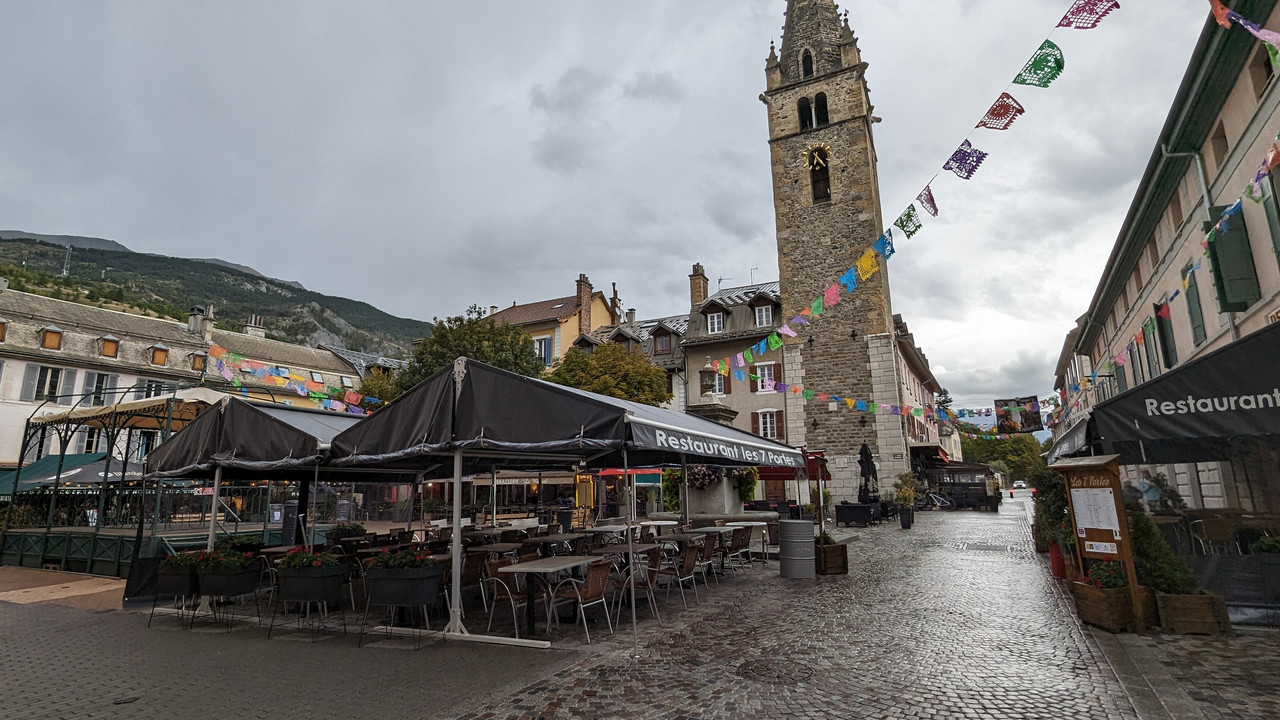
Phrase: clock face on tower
(817,157)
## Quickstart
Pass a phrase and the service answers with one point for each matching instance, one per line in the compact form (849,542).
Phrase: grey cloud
(660,87)
(576,90)
(1027,373)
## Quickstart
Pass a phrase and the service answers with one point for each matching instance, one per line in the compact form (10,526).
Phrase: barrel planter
(229,583)
(796,554)
(831,559)
(1195,614)
(1107,608)
(403,587)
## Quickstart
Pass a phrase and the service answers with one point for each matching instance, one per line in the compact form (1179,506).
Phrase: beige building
(556,324)
(1167,296)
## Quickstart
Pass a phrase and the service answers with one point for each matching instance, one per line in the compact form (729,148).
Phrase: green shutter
(1164,329)
(1272,205)
(1195,312)
(1231,259)
(1120,378)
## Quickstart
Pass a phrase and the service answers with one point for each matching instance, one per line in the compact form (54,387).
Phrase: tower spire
(814,29)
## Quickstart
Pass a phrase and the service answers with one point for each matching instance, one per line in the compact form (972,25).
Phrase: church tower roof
(816,40)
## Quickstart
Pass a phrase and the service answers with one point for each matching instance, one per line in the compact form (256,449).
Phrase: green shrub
(745,479)
(1157,565)
(1107,574)
(1265,545)
(240,543)
(1050,505)
(342,530)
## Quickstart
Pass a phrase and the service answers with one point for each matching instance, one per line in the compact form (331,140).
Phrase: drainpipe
(1208,214)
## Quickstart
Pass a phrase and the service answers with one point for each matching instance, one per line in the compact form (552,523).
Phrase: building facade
(827,208)
(659,339)
(1170,294)
(556,324)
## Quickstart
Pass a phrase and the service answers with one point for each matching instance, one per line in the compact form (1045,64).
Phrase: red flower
(317,563)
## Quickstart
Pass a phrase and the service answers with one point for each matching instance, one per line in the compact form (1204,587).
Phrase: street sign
(202,491)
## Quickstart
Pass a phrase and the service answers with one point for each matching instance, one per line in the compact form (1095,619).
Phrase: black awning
(1197,412)
(1071,442)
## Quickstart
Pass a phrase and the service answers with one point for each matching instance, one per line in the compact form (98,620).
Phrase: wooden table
(541,569)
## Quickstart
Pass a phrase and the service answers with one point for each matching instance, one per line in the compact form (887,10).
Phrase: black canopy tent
(240,439)
(1199,411)
(486,418)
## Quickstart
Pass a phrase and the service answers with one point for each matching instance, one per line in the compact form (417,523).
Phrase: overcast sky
(425,156)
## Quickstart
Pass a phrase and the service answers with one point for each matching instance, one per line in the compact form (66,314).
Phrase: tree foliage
(612,370)
(474,336)
(1019,453)
(943,399)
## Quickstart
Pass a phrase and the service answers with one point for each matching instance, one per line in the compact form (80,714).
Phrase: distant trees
(1019,453)
(612,370)
(474,336)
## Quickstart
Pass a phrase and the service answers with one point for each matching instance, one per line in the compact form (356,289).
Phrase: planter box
(1107,608)
(404,587)
(229,583)
(313,584)
(177,581)
(831,559)
(1197,614)
(906,517)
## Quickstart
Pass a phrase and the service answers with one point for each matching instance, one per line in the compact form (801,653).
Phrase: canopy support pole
(455,626)
(684,485)
(266,516)
(213,509)
(631,555)
(315,483)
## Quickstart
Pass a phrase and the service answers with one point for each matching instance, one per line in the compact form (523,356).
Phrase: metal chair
(707,559)
(1213,533)
(644,578)
(585,593)
(682,568)
(502,590)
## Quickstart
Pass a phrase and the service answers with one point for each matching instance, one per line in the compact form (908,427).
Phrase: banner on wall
(1018,415)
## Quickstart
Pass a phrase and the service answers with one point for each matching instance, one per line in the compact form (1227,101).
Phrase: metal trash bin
(796,551)
(289,528)
(564,518)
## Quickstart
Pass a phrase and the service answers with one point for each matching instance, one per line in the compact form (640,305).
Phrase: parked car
(1019,485)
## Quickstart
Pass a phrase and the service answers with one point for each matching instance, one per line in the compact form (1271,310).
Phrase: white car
(1019,485)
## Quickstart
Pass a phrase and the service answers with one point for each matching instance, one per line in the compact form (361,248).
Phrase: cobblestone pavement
(956,618)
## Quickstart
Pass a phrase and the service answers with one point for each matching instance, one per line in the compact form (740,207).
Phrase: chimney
(615,307)
(254,327)
(493,310)
(584,304)
(631,316)
(194,320)
(697,286)
(206,325)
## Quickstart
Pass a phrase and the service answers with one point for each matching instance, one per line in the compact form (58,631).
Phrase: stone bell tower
(826,199)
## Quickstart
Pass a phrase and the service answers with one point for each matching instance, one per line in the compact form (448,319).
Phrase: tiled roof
(752,334)
(742,295)
(543,311)
(678,324)
(281,353)
(362,361)
(74,316)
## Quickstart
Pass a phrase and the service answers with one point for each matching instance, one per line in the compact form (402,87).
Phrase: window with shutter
(1195,312)
(1122,379)
(1271,203)
(1231,259)
(1164,328)
(1149,347)
(68,389)
(87,390)
(4,326)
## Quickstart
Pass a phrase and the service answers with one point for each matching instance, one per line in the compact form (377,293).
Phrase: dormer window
(4,325)
(715,323)
(764,316)
(159,354)
(317,377)
(346,382)
(108,347)
(662,344)
(806,64)
(198,360)
(51,337)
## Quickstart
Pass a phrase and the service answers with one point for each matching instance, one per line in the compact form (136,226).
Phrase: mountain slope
(169,287)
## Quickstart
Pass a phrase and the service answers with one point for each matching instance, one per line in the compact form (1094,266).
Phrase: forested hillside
(169,287)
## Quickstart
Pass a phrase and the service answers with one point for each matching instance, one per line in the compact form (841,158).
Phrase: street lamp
(707,377)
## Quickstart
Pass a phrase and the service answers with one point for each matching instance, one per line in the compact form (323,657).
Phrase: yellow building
(556,324)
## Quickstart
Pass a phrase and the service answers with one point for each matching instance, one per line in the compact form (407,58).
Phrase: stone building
(659,339)
(827,205)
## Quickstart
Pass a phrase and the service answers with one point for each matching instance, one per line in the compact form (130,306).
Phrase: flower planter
(906,517)
(1107,608)
(312,584)
(229,583)
(404,587)
(1196,614)
(831,559)
(176,581)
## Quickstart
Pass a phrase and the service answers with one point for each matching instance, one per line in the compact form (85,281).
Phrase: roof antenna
(753,274)
(720,282)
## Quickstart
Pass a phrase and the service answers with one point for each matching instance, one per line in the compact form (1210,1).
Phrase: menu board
(1095,508)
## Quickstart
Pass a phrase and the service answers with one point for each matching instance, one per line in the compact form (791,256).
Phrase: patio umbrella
(868,468)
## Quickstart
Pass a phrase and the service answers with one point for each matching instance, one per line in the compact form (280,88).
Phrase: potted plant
(307,576)
(407,578)
(244,543)
(177,575)
(345,530)
(227,573)
(1183,608)
(1102,597)
(904,496)
(831,558)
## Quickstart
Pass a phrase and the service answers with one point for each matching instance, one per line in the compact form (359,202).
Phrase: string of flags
(1254,191)
(228,364)
(1045,65)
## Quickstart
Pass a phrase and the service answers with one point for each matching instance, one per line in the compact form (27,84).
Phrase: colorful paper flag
(748,355)
(1220,13)
(816,308)
(909,221)
(965,160)
(799,319)
(1002,113)
(884,245)
(925,198)
(774,341)
(849,279)
(787,331)
(831,296)
(1086,14)
(1044,67)
(867,265)
(809,394)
